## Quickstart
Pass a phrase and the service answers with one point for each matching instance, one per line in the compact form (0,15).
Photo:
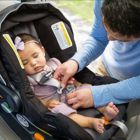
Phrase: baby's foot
(110,111)
(97,124)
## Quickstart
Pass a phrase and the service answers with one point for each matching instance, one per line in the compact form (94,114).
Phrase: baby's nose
(33,63)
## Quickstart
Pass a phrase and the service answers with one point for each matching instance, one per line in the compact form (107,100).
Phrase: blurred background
(81,8)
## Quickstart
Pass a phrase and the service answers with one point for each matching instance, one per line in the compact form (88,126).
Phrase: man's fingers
(76,106)
(71,95)
(57,75)
(72,98)
(71,80)
(64,80)
(72,101)
(62,77)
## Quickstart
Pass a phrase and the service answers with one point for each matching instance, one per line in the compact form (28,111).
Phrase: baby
(48,89)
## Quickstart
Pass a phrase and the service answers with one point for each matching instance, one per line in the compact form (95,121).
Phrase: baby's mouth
(38,69)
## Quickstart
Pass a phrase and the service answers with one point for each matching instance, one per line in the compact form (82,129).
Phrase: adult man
(120,57)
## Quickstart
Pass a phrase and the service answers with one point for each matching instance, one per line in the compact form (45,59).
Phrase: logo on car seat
(22,120)
(61,35)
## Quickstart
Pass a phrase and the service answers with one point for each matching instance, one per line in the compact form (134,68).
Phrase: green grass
(81,8)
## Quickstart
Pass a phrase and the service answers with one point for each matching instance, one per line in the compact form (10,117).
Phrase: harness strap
(46,78)
(50,82)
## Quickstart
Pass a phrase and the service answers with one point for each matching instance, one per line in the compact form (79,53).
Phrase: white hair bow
(19,44)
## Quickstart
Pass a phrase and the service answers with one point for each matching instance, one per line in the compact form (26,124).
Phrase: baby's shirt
(47,90)
(39,89)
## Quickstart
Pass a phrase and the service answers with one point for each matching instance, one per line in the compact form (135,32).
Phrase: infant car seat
(22,111)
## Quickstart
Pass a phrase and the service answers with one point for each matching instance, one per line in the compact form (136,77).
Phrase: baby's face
(33,58)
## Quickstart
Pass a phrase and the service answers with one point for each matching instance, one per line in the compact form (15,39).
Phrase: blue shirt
(121,59)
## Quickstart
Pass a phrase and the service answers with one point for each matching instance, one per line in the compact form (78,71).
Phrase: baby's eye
(25,62)
(35,55)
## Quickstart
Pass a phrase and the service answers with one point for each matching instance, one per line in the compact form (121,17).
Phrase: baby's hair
(28,38)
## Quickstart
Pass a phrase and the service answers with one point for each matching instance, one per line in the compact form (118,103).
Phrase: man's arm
(96,42)
(118,93)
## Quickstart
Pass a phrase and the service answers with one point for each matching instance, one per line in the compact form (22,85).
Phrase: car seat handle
(122,127)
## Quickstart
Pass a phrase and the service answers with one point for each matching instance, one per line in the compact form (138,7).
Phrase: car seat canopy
(37,20)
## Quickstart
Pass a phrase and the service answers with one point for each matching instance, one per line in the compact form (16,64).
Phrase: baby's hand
(52,103)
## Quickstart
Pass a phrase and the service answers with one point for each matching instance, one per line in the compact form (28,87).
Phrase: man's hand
(65,71)
(81,98)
